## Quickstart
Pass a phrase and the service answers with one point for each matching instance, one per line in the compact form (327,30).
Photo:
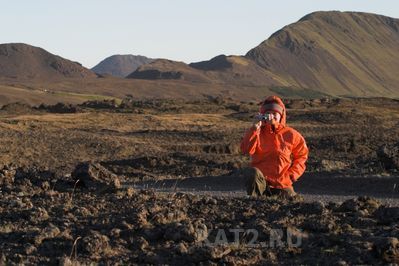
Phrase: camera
(264,117)
(260,117)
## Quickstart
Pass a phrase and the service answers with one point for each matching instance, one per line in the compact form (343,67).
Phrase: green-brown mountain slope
(340,53)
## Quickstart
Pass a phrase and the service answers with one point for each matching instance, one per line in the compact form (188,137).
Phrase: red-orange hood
(277,100)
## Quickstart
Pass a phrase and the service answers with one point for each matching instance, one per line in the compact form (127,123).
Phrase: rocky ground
(46,220)
(115,213)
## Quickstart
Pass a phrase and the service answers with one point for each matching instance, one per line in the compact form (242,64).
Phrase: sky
(88,31)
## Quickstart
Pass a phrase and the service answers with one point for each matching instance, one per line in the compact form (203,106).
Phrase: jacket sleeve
(300,155)
(250,141)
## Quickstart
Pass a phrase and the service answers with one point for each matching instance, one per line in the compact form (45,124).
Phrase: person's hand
(257,125)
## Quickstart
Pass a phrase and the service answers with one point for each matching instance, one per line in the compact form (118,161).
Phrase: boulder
(96,177)
(95,243)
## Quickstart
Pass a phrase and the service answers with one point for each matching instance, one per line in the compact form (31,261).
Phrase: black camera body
(262,117)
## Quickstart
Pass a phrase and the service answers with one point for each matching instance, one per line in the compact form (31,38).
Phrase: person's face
(273,115)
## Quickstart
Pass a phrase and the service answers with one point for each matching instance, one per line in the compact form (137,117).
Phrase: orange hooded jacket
(280,154)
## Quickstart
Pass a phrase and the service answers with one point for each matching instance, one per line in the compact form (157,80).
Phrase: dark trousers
(256,184)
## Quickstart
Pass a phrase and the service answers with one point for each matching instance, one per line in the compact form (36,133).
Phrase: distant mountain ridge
(121,65)
(19,60)
(348,54)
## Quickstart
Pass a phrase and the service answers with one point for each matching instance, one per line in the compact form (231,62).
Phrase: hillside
(340,53)
(121,65)
(237,70)
(18,60)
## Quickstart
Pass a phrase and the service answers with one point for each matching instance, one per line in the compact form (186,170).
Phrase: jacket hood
(276,99)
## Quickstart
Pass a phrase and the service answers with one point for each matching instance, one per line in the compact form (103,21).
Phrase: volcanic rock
(96,177)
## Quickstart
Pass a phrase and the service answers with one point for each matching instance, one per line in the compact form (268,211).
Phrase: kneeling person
(278,152)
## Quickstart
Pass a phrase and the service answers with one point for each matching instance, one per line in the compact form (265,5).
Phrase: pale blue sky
(88,31)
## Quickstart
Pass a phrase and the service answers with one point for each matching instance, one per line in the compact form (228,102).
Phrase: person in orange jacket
(278,152)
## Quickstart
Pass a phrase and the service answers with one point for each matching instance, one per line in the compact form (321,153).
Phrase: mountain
(339,53)
(121,65)
(324,53)
(18,60)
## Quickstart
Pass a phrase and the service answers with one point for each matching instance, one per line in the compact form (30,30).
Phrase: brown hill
(18,60)
(237,70)
(121,65)
(340,53)
(168,69)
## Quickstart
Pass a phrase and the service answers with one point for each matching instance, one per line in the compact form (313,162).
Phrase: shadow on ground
(317,184)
